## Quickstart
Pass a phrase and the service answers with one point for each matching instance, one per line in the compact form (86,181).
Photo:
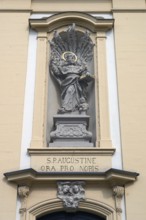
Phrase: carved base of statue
(71,131)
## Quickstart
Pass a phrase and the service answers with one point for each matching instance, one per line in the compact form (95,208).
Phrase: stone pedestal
(71,131)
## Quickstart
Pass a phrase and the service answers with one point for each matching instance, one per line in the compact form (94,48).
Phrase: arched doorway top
(62,19)
(79,215)
(55,205)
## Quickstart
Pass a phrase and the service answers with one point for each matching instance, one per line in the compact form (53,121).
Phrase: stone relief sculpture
(70,54)
(71,193)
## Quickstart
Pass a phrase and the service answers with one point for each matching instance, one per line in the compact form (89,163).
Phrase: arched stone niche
(53,86)
(98,28)
(89,206)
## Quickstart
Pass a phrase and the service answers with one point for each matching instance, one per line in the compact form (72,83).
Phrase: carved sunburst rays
(74,41)
(71,39)
(86,47)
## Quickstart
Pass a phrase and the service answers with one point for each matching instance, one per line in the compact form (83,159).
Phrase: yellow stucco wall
(13,63)
(130,32)
(130,50)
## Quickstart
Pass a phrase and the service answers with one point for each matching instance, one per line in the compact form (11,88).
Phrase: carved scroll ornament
(23,192)
(118,192)
(71,193)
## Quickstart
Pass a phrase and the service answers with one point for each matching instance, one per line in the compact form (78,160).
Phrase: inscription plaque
(69,164)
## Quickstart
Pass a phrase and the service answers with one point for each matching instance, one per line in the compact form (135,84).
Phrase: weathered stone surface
(71,52)
(71,193)
(71,130)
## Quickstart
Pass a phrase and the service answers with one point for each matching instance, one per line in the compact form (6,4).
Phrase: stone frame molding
(56,205)
(116,179)
(99,26)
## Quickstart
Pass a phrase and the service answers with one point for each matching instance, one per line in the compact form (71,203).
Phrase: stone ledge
(71,150)
(112,176)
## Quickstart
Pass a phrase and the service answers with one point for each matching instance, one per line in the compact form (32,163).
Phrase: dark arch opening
(71,216)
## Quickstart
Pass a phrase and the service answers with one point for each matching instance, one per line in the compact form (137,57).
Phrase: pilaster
(102,96)
(38,140)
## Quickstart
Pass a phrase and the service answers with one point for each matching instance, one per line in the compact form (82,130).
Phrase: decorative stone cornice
(81,19)
(112,176)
